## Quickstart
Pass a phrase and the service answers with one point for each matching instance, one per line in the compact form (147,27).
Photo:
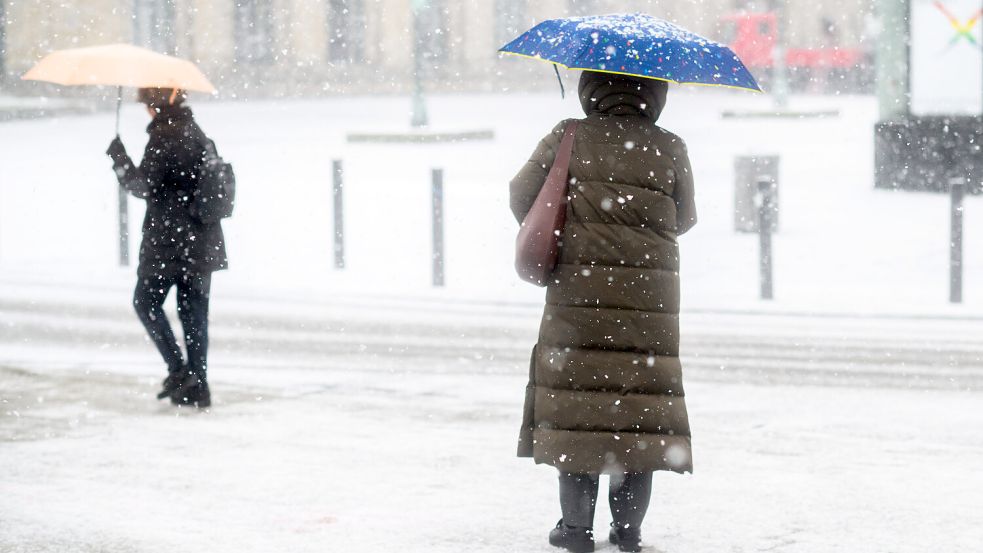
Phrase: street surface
(374,423)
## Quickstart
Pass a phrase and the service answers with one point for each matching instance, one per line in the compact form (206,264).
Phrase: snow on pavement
(370,423)
(416,462)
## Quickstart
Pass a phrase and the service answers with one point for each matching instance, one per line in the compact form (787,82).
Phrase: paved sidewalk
(27,107)
(46,326)
(401,461)
(377,424)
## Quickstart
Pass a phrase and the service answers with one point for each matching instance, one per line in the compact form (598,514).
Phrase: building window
(510,18)
(254,38)
(346,30)
(153,25)
(430,29)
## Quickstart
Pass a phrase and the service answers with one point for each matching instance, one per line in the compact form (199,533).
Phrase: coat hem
(612,452)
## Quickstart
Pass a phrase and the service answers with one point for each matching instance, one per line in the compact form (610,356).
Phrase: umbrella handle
(119,104)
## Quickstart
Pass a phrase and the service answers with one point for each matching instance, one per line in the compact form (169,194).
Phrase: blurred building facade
(271,47)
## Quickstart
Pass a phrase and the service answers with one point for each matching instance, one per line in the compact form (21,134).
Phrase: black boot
(572,538)
(173,381)
(203,396)
(193,390)
(627,539)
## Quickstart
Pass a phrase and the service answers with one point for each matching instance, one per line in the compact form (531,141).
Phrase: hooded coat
(605,391)
(174,241)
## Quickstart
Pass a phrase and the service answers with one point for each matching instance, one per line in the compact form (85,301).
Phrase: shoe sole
(575,549)
(621,547)
(192,403)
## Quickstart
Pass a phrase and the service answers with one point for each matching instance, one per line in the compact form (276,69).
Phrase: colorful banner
(947,57)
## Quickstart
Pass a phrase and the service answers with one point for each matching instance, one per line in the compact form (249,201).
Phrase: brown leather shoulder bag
(537,247)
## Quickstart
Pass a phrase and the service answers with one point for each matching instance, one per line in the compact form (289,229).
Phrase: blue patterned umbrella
(634,44)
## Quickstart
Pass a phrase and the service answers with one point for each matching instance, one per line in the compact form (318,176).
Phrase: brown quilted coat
(605,392)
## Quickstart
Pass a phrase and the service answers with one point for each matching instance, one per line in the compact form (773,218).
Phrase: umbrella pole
(119,104)
(563,92)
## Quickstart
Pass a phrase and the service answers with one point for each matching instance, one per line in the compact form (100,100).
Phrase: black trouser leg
(148,300)
(192,308)
(578,497)
(629,497)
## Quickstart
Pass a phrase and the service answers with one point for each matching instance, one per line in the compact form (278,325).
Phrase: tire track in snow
(495,339)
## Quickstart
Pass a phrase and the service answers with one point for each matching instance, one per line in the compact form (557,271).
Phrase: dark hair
(161,97)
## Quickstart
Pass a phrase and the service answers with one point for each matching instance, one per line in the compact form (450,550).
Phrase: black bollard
(765,209)
(124,228)
(438,226)
(957,191)
(337,188)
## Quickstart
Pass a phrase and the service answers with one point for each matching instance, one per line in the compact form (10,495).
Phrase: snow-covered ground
(408,463)
(390,425)
(843,245)
(364,410)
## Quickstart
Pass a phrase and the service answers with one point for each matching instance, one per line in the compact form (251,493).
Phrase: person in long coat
(605,392)
(178,250)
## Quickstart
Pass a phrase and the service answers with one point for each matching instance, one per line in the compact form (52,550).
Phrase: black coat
(174,241)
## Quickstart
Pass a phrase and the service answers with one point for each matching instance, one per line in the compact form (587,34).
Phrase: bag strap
(561,165)
(207,144)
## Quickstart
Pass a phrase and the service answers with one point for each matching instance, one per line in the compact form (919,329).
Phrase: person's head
(157,99)
(613,94)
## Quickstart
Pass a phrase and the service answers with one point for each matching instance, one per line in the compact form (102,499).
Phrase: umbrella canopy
(634,44)
(118,65)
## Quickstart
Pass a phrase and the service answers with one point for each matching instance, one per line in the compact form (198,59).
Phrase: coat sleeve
(684,193)
(530,179)
(137,180)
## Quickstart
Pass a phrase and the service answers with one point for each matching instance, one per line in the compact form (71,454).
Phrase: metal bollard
(957,191)
(337,189)
(438,226)
(124,227)
(748,170)
(765,228)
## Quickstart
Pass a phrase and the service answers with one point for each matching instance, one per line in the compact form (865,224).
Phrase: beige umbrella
(119,65)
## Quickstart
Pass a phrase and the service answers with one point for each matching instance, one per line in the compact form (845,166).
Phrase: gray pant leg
(578,497)
(629,497)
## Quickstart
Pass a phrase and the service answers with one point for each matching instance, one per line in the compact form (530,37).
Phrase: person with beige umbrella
(188,188)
